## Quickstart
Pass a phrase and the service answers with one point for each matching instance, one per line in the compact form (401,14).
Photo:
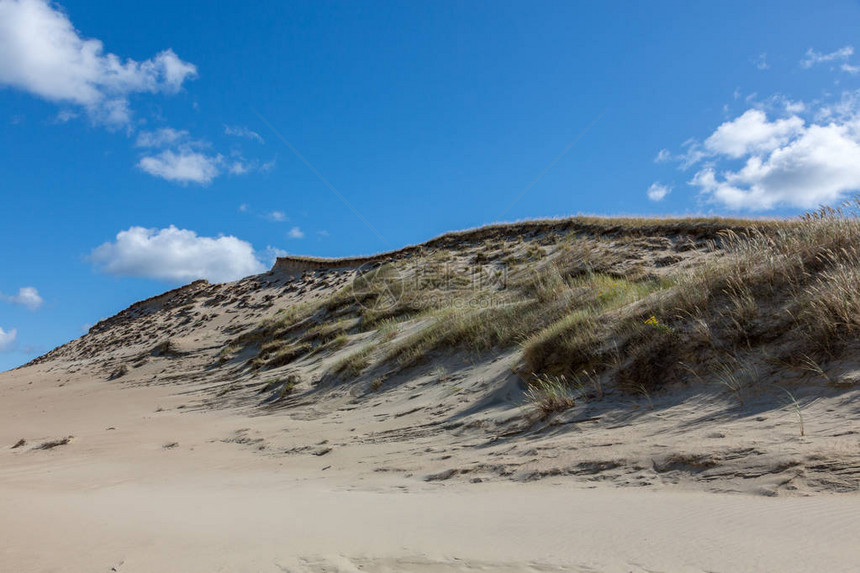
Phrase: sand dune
(279,424)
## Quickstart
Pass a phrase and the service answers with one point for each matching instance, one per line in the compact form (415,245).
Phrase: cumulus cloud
(657,191)
(296,233)
(820,165)
(242,131)
(752,133)
(27,297)
(182,166)
(780,152)
(176,255)
(7,339)
(42,53)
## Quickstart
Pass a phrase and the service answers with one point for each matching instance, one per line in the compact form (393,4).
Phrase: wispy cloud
(842,55)
(296,233)
(27,297)
(242,131)
(182,166)
(760,61)
(7,339)
(185,160)
(66,115)
(662,156)
(162,137)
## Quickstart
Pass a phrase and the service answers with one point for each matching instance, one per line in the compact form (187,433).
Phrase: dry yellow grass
(639,303)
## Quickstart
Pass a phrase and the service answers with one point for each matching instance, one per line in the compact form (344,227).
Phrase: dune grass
(354,364)
(551,394)
(795,285)
(590,297)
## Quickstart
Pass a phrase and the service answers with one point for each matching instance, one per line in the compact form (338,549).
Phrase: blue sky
(143,145)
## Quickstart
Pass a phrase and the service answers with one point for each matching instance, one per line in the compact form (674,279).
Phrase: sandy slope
(158,442)
(118,499)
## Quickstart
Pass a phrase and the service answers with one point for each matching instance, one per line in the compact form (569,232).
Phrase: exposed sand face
(118,451)
(128,499)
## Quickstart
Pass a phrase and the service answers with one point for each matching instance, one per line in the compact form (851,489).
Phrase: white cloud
(657,191)
(812,57)
(840,111)
(752,133)
(243,208)
(760,61)
(278,216)
(819,166)
(176,255)
(693,154)
(182,166)
(793,107)
(296,233)
(161,137)
(181,159)
(27,297)
(7,339)
(662,156)
(242,131)
(802,156)
(237,165)
(42,53)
